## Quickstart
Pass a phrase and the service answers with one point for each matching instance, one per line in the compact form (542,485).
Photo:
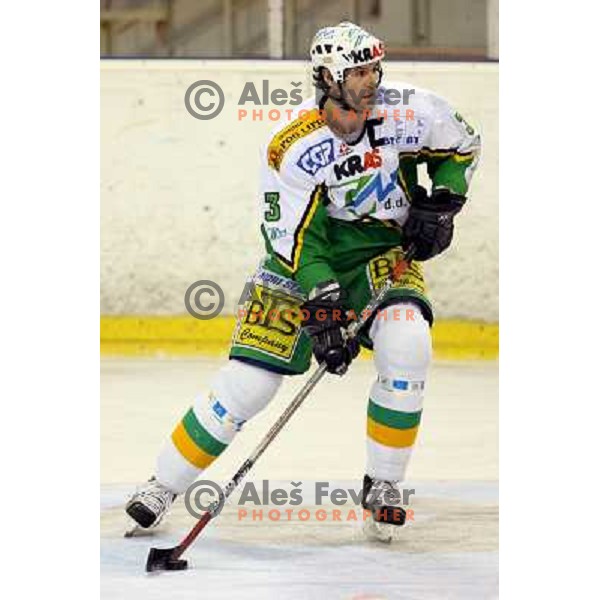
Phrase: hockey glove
(430,224)
(326,323)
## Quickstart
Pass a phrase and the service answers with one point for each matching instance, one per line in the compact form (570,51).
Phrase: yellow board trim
(188,449)
(388,436)
(182,335)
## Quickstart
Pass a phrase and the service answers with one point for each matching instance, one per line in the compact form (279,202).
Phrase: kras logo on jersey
(317,157)
(357,164)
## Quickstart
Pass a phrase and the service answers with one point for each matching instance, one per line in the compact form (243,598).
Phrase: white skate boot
(149,504)
(382,499)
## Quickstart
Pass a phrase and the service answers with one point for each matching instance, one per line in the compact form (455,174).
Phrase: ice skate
(382,498)
(148,505)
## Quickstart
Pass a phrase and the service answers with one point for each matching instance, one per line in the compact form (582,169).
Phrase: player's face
(360,86)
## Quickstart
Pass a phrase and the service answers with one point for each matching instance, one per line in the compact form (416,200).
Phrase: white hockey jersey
(311,179)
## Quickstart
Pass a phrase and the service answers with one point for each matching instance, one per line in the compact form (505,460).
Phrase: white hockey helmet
(342,47)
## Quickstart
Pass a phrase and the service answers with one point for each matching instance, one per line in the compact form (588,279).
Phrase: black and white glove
(326,323)
(430,224)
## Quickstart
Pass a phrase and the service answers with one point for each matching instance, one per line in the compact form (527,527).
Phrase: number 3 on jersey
(274,212)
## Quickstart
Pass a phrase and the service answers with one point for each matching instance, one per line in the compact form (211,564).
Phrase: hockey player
(341,203)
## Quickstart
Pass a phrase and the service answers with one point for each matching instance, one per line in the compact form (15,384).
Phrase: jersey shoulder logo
(316,157)
(290,134)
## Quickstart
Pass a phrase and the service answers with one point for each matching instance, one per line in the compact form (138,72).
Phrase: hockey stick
(168,559)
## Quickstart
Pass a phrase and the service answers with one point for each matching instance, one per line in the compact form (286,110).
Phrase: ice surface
(448,551)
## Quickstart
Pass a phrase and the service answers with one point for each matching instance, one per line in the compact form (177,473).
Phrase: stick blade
(161,559)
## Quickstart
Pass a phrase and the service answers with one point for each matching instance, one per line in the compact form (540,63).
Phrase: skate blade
(378,532)
(132,529)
